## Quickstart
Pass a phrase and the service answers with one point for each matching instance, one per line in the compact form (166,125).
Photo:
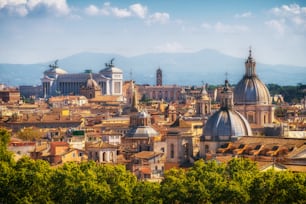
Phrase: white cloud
(298,20)
(170,47)
(121,13)
(293,13)
(287,10)
(92,10)
(158,17)
(21,11)
(243,15)
(12,3)
(135,10)
(288,18)
(24,7)
(139,10)
(277,25)
(225,28)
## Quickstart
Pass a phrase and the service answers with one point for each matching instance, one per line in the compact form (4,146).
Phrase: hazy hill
(208,66)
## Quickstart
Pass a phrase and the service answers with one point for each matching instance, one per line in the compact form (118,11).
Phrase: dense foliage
(291,94)
(29,181)
(29,134)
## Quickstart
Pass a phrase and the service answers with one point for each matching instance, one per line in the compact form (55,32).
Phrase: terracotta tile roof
(40,148)
(145,170)
(105,98)
(296,168)
(101,145)
(297,151)
(272,140)
(224,159)
(147,154)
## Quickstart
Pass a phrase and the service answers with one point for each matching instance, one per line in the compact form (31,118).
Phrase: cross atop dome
(250,51)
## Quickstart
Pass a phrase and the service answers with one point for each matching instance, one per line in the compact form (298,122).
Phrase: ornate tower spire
(250,65)
(226,97)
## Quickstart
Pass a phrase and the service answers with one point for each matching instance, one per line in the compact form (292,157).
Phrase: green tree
(5,155)
(278,187)
(147,192)
(6,176)
(30,182)
(78,183)
(243,171)
(29,134)
(174,187)
(89,182)
(120,181)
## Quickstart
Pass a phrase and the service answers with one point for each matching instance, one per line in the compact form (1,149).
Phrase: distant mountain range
(208,66)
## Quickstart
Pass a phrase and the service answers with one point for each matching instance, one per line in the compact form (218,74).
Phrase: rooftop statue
(109,65)
(54,66)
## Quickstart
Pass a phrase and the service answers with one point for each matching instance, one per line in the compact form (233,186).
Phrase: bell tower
(159,77)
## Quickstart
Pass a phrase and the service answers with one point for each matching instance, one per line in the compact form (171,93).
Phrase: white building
(57,81)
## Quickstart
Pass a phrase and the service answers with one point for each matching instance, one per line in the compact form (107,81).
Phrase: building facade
(57,81)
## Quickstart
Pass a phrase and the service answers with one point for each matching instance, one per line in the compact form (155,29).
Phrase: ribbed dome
(226,123)
(142,132)
(250,90)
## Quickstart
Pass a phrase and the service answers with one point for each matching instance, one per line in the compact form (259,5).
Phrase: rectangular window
(117,88)
(172,151)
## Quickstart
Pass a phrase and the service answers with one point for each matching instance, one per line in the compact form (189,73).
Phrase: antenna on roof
(226,75)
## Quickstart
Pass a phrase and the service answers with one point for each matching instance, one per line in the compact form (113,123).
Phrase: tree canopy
(239,181)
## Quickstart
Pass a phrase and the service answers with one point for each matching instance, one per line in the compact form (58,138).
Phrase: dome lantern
(226,96)
(250,65)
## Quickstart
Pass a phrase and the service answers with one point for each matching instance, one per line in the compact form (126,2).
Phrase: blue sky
(34,31)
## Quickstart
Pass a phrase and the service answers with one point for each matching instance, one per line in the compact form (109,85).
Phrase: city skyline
(41,30)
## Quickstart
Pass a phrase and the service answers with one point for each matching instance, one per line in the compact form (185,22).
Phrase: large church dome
(250,90)
(141,126)
(226,124)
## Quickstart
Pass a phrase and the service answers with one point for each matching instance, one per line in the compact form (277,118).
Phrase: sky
(37,31)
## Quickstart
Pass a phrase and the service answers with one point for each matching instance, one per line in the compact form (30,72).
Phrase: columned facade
(57,82)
